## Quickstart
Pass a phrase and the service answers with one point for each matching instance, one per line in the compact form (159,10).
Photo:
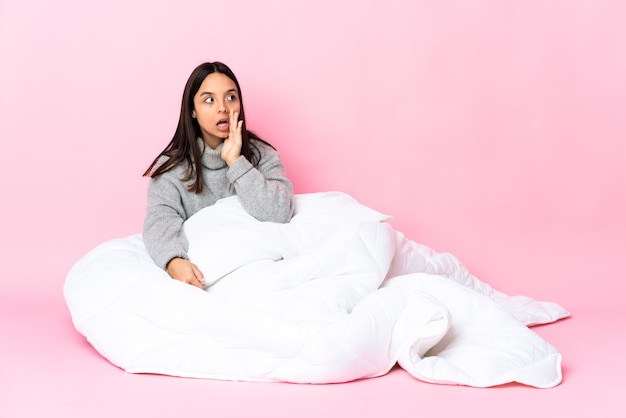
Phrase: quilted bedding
(335,295)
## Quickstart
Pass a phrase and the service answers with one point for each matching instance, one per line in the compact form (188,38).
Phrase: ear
(193,114)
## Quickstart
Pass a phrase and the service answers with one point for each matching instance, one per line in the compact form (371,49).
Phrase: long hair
(184,148)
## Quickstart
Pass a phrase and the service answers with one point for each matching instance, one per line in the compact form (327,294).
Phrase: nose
(222,108)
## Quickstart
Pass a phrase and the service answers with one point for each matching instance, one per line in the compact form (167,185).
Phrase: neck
(213,142)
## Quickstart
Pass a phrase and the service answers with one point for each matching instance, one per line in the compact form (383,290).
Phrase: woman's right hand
(185,271)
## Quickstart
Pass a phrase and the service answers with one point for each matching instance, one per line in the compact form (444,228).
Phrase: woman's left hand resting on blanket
(211,156)
(185,271)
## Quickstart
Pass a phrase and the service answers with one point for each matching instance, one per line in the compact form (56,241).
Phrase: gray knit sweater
(264,192)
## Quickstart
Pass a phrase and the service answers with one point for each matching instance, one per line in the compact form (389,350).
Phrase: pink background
(494,130)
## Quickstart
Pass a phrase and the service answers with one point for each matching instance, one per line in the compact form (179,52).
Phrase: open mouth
(222,125)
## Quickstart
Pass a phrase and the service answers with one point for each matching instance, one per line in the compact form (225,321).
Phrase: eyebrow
(206,93)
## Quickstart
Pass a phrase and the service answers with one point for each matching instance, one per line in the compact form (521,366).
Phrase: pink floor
(49,370)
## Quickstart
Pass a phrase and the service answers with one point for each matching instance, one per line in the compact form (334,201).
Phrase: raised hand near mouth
(232,145)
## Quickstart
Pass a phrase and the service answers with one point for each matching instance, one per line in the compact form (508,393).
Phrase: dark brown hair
(184,145)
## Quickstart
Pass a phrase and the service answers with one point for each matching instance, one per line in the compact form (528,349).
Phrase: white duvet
(335,295)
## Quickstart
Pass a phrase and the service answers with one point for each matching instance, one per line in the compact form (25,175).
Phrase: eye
(231,97)
(209,100)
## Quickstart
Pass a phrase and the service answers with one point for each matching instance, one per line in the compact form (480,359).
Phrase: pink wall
(493,130)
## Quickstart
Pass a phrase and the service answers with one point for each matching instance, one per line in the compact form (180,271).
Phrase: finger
(192,280)
(198,274)
(233,120)
(239,128)
(197,283)
(236,124)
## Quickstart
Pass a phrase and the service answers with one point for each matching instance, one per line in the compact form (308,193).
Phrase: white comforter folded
(335,295)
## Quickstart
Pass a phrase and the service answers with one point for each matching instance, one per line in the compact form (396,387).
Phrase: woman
(211,156)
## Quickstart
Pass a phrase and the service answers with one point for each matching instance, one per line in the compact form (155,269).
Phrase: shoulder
(171,179)
(265,149)
(261,144)
(175,171)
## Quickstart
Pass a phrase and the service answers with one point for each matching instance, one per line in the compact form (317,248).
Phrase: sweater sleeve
(265,192)
(163,232)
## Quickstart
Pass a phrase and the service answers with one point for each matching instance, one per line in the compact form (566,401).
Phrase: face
(213,103)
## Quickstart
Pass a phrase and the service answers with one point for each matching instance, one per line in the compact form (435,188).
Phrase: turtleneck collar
(212,158)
